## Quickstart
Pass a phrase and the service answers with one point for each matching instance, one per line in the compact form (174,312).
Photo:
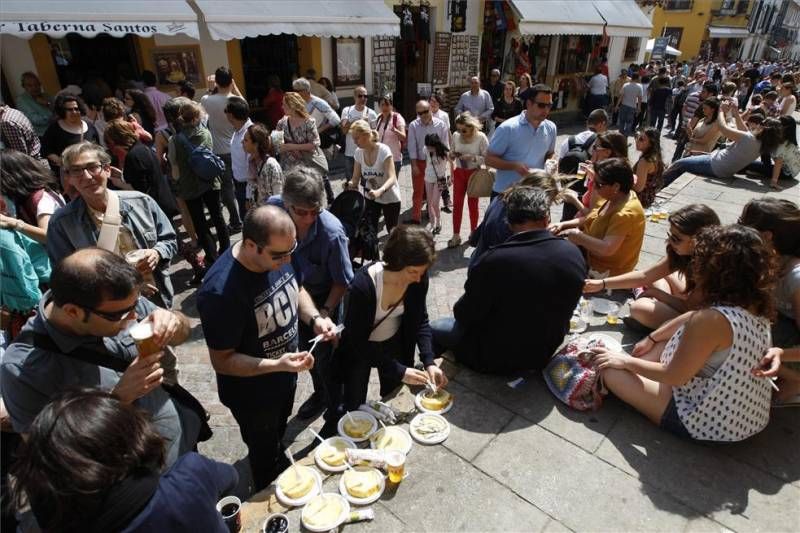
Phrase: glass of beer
(396,465)
(612,317)
(134,256)
(142,334)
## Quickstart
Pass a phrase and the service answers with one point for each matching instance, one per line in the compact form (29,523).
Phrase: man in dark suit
(519,297)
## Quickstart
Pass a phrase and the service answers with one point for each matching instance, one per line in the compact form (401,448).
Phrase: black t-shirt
(141,168)
(659,98)
(255,314)
(504,110)
(56,138)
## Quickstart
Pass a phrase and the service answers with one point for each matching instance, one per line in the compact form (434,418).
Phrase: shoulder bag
(481,183)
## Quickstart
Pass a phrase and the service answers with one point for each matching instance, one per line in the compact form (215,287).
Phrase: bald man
(93,296)
(477,101)
(250,303)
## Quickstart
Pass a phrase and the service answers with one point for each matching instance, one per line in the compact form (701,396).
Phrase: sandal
(454,242)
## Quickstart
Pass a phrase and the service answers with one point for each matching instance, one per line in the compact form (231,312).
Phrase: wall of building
(17,57)
(694,22)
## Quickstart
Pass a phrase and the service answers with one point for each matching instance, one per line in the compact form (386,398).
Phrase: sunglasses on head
(115,316)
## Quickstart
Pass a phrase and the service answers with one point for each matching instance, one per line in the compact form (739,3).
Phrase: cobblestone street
(518,461)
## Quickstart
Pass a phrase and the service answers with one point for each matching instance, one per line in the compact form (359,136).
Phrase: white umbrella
(670,51)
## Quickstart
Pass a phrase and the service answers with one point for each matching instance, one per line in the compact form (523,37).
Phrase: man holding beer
(250,304)
(93,296)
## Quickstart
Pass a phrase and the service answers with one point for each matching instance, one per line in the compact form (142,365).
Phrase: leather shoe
(311,407)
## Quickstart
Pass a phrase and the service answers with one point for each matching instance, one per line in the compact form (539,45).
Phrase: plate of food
(391,438)
(601,305)
(330,455)
(362,485)
(429,428)
(297,485)
(325,512)
(604,341)
(438,402)
(357,426)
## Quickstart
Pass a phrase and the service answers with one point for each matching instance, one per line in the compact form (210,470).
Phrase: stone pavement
(516,460)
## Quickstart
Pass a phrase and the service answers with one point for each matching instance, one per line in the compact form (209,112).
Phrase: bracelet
(650,336)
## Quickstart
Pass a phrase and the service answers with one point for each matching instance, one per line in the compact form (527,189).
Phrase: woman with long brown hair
(692,376)
(650,166)
(265,176)
(301,143)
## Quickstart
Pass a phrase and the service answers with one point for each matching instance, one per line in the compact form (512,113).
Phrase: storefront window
(632,45)
(578,53)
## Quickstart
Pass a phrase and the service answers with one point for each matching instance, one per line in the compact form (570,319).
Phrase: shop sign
(29,28)
(660,48)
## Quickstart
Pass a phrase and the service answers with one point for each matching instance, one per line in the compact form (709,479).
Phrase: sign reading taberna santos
(28,28)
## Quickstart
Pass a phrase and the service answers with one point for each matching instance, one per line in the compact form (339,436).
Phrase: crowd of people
(98,202)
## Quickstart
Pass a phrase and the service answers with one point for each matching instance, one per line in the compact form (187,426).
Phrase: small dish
(609,343)
(324,528)
(421,408)
(371,498)
(289,502)
(429,438)
(601,305)
(358,415)
(348,443)
(401,435)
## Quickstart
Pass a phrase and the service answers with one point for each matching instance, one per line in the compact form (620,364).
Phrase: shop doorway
(411,66)
(80,59)
(265,56)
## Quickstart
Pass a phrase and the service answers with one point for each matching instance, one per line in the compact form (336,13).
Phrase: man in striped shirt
(691,113)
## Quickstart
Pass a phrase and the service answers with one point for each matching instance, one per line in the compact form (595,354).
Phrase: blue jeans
(696,164)
(625,119)
(446,334)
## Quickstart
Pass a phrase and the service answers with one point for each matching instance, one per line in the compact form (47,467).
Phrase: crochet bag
(572,377)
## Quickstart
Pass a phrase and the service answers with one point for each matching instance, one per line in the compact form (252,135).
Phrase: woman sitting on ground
(786,157)
(703,138)
(748,144)
(650,167)
(667,283)
(93,463)
(387,317)
(690,371)
(613,232)
(778,221)
(607,145)
(494,229)
(265,176)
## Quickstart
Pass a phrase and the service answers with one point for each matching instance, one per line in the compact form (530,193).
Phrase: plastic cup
(230,507)
(612,317)
(276,523)
(396,465)
(142,335)
(134,256)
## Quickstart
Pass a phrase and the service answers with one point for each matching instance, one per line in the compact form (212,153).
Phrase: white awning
(557,17)
(566,17)
(237,19)
(624,18)
(25,18)
(722,32)
(670,50)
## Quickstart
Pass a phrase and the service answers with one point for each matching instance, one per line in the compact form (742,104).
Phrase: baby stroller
(350,208)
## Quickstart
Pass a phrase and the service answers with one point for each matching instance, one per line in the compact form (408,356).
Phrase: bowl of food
(438,402)
(391,438)
(297,485)
(325,512)
(429,428)
(362,485)
(330,455)
(357,426)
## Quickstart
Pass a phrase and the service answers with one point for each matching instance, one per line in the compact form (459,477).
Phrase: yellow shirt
(627,221)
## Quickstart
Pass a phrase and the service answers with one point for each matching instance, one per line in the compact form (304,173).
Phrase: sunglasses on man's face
(277,256)
(361,96)
(302,212)
(111,316)
(544,105)
(421,113)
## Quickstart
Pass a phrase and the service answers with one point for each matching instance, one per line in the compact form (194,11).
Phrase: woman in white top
(436,102)
(469,149)
(391,128)
(437,177)
(386,321)
(374,163)
(693,376)
(788,101)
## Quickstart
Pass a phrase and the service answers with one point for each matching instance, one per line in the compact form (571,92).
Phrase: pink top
(387,136)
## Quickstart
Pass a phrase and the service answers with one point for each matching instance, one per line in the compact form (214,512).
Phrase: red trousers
(418,182)
(460,182)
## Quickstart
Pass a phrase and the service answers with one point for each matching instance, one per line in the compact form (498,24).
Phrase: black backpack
(577,153)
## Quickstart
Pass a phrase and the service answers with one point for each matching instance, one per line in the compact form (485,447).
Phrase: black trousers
(391,214)
(262,427)
(357,367)
(209,199)
(322,372)
(227,192)
(568,211)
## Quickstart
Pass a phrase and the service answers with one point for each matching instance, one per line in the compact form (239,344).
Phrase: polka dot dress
(732,404)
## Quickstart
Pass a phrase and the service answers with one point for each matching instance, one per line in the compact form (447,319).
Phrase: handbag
(106,360)
(573,378)
(204,163)
(481,183)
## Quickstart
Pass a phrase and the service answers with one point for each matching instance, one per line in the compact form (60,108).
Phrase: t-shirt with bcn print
(255,314)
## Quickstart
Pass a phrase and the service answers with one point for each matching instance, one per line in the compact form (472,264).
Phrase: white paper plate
(363,501)
(327,527)
(358,415)
(287,501)
(429,439)
(601,305)
(330,468)
(418,403)
(608,342)
(402,433)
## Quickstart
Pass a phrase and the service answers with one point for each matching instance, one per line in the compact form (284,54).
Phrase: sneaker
(311,407)
(447,209)
(437,230)
(454,242)
(793,401)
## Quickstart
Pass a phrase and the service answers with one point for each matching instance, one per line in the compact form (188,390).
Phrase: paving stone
(705,525)
(554,526)
(579,490)
(445,493)
(703,477)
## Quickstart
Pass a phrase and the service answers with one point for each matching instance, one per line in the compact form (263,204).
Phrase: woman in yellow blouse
(613,232)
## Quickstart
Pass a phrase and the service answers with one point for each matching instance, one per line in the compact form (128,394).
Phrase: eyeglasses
(420,113)
(543,105)
(277,256)
(299,211)
(361,96)
(72,109)
(461,130)
(111,316)
(94,168)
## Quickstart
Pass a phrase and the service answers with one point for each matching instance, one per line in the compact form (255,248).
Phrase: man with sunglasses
(424,124)
(93,297)
(357,111)
(523,143)
(143,225)
(250,304)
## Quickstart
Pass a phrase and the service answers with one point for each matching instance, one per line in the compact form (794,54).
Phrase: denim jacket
(71,228)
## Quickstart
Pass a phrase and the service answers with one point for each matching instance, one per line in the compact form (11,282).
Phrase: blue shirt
(517,140)
(255,313)
(493,230)
(186,497)
(322,256)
